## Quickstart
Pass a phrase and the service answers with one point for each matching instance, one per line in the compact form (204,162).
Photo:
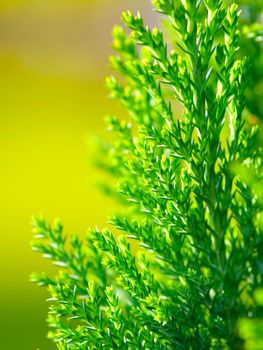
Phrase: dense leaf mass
(200,254)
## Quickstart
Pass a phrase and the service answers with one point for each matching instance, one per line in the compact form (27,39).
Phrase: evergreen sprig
(199,260)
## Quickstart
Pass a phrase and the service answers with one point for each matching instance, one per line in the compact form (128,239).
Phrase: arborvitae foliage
(200,253)
(251,46)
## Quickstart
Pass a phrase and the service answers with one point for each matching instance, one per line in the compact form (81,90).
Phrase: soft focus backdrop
(53,60)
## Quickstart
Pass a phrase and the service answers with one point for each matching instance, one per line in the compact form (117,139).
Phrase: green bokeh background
(53,60)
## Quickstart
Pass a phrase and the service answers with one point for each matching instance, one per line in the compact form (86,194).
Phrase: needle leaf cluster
(198,259)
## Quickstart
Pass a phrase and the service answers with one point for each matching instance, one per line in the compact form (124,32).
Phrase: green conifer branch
(197,222)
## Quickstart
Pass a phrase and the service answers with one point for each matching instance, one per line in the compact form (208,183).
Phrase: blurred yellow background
(53,60)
